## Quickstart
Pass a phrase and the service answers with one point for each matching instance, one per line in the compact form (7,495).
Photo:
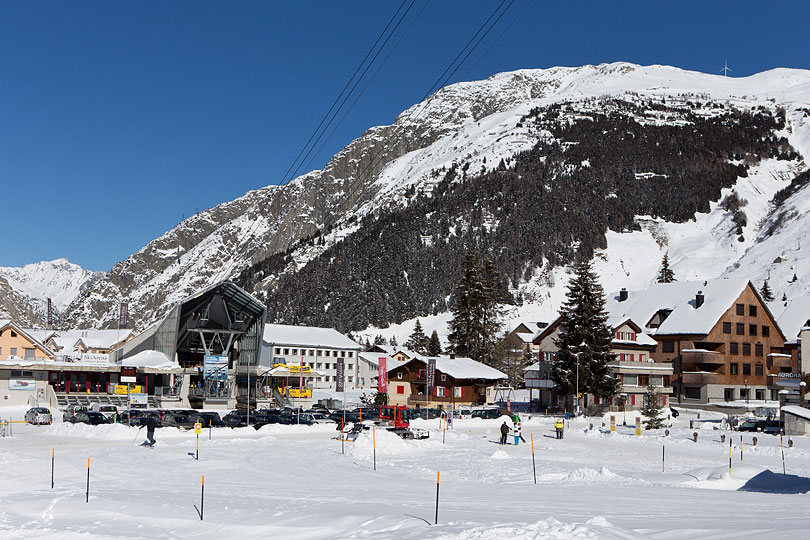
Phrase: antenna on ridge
(726,69)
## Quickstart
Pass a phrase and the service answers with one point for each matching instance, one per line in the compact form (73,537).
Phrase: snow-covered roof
(92,338)
(795,317)
(795,410)
(526,338)
(374,358)
(151,360)
(307,336)
(24,333)
(679,297)
(460,368)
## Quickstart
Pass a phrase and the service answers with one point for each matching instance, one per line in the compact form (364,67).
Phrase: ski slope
(294,482)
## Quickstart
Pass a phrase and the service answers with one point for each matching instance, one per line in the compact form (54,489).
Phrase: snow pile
(546,529)
(87,431)
(500,454)
(388,444)
(586,475)
(152,360)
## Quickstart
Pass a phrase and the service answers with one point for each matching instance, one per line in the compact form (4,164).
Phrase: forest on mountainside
(596,171)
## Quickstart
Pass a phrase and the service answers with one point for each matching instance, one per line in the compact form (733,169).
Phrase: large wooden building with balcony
(719,336)
(633,365)
(458,381)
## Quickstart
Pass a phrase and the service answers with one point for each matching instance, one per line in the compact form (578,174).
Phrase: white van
(463,412)
(107,410)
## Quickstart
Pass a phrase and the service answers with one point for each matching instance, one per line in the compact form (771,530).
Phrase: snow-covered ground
(294,482)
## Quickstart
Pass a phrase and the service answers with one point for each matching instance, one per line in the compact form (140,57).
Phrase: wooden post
(436,520)
(534,467)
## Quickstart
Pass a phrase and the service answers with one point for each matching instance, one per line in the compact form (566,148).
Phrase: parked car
(70,413)
(427,414)
(39,415)
(295,419)
(349,417)
(212,419)
(367,413)
(110,411)
(91,417)
(773,427)
(487,413)
(752,425)
(320,418)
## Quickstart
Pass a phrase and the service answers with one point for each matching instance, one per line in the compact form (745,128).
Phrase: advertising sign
(84,359)
(431,374)
(293,368)
(138,399)
(382,374)
(339,386)
(216,368)
(612,422)
(22,384)
(128,374)
(121,389)
(123,315)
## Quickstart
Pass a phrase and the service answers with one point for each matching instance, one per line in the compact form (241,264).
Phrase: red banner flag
(382,374)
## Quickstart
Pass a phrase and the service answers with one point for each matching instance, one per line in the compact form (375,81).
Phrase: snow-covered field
(294,482)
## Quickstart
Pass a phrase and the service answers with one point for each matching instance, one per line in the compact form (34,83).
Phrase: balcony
(651,368)
(702,356)
(700,377)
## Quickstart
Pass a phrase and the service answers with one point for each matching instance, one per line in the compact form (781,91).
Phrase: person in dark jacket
(504,432)
(150,429)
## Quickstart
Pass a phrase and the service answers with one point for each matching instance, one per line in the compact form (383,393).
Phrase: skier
(150,429)
(559,426)
(516,428)
(504,432)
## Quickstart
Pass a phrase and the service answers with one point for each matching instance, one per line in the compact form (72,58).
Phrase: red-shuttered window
(400,389)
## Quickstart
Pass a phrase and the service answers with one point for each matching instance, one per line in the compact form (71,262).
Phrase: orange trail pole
(534,467)
(52,462)
(202,497)
(87,493)
(374,444)
(436,520)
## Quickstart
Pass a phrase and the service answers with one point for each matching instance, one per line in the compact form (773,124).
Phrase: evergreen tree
(584,338)
(417,341)
(666,275)
(475,323)
(784,298)
(434,347)
(394,341)
(767,295)
(652,410)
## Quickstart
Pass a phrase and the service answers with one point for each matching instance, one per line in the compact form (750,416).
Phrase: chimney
(452,355)
(622,295)
(699,298)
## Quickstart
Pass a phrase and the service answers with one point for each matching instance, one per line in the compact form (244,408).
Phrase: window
(350,378)
(740,329)
(14,351)
(399,375)
(743,393)
(758,349)
(13,333)
(29,354)
(734,348)
(343,354)
(758,370)
(752,311)
(278,350)
(630,380)
(295,352)
(746,349)
(441,391)
(740,309)
(669,346)
(311,352)
(351,354)
(728,394)
(752,329)
(458,391)
(420,373)
(351,366)
(726,327)
(444,377)
(400,388)
(320,353)
(746,369)
(286,351)
(760,392)
(642,357)
(733,368)
(657,380)
(766,331)
(318,365)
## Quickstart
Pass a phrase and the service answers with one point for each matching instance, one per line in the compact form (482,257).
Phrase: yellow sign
(197,428)
(121,389)
(299,369)
(612,422)
(295,392)
(638,426)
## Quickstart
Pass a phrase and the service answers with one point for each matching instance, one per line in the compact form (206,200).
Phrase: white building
(319,349)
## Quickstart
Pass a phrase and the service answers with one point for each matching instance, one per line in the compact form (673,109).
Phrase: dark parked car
(90,417)
(773,427)
(428,414)
(349,417)
(752,425)
(211,419)
(488,413)
(293,419)
(71,411)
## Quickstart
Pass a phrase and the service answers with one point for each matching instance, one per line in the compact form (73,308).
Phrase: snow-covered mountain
(60,280)
(473,128)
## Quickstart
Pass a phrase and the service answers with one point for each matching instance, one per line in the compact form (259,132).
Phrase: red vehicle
(396,419)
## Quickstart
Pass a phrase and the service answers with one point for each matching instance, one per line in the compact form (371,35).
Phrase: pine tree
(394,341)
(584,338)
(666,275)
(434,347)
(767,295)
(475,324)
(417,341)
(652,410)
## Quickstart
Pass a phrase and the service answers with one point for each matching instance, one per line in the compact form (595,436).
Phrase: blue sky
(116,119)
